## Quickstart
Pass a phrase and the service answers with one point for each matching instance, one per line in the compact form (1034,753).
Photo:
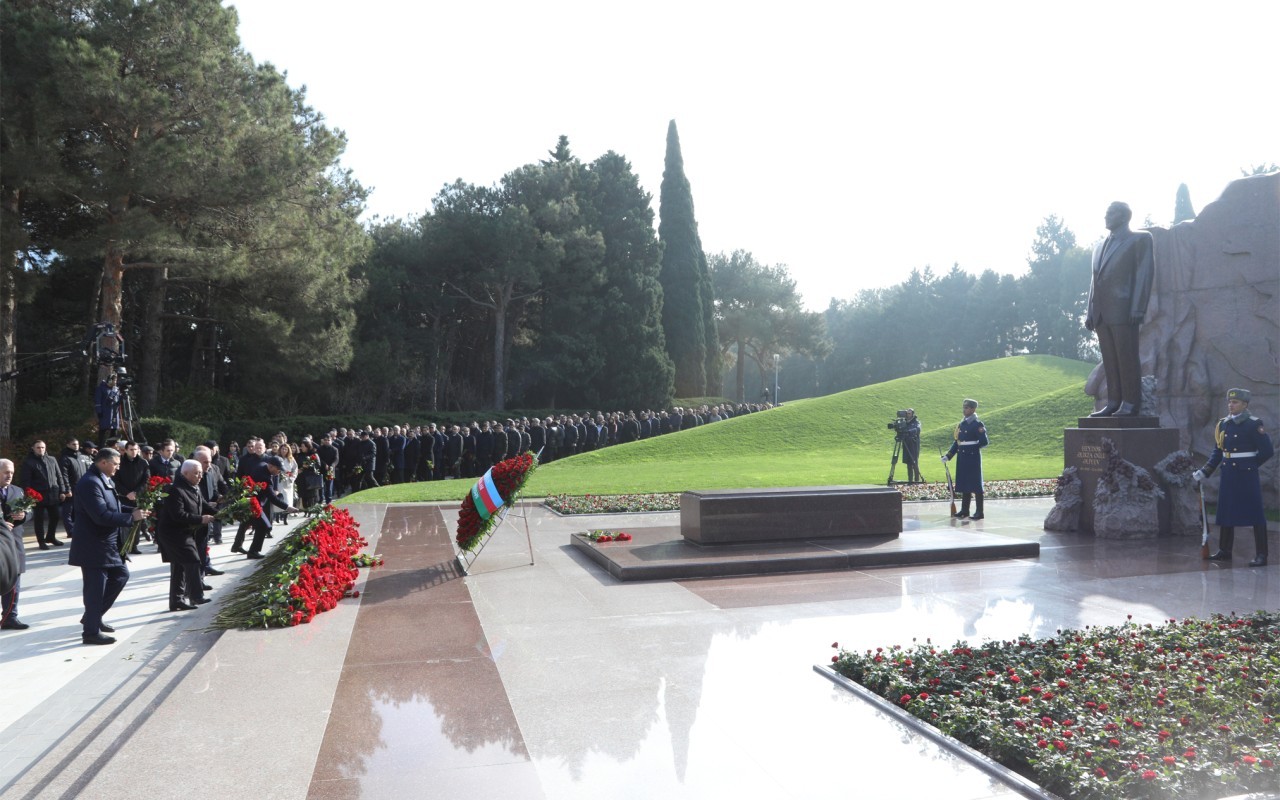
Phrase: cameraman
(909,433)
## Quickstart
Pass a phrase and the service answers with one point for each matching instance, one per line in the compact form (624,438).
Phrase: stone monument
(1213,321)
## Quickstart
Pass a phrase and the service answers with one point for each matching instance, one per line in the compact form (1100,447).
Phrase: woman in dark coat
(182,512)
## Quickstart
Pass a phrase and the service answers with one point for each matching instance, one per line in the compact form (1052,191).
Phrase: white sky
(850,141)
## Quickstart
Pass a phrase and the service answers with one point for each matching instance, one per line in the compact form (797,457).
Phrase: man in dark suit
(1123,269)
(95,543)
(11,541)
(368,462)
(266,472)
(330,458)
(41,472)
(165,463)
(181,513)
(212,488)
(453,452)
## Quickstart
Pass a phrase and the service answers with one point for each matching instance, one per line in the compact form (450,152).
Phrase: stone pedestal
(799,513)
(1140,440)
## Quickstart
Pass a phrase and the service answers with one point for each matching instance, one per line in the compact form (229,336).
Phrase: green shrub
(187,434)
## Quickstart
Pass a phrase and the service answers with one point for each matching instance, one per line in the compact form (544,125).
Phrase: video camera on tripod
(901,424)
(104,346)
(906,444)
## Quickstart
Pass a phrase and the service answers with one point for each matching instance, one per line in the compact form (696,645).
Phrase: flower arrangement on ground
(149,498)
(1186,709)
(601,536)
(612,504)
(500,486)
(306,574)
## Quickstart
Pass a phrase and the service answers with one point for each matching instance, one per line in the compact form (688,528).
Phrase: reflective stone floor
(553,679)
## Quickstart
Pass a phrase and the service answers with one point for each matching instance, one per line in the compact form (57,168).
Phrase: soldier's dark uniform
(970,438)
(1242,447)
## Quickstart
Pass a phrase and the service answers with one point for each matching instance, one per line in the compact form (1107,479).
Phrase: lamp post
(776,358)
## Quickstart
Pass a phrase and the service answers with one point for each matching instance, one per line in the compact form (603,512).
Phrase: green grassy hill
(838,439)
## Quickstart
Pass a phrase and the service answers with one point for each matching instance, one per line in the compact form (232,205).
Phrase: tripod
(893,465)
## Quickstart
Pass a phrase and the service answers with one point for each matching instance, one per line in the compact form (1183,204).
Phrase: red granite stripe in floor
(420,706)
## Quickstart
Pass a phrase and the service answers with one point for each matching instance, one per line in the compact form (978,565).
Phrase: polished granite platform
(551,680)
(665,554)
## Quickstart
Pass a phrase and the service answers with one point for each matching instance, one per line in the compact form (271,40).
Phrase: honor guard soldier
(1242,447)
(970,438)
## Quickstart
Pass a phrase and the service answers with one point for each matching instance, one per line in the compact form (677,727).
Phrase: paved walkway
(550,680)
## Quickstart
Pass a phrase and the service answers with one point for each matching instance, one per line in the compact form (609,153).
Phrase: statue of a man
(1123,269)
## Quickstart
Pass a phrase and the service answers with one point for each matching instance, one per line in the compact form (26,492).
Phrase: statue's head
(1118,215)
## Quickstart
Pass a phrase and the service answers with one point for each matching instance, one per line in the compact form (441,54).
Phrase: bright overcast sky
(850,141)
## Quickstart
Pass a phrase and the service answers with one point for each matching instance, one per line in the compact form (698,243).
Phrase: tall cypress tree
(637,372)
(682,276)
(1182,209)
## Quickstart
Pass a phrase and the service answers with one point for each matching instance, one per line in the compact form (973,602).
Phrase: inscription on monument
(1090,458)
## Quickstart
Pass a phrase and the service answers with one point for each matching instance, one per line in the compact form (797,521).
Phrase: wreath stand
(465,564)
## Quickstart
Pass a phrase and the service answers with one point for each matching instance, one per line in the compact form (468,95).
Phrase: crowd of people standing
(94,492)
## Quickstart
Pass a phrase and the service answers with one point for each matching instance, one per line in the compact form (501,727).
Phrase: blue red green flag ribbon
(485,496)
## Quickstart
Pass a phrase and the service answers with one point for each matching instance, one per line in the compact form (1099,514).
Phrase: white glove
(1198,475)
(944,459)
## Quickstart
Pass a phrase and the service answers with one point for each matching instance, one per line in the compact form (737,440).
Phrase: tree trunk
(499,349)
(9,316)
(152,343)
(741,369)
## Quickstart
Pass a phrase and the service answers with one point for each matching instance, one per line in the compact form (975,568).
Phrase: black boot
(964,505)
(978,514)
(1226,538)
(1259,546)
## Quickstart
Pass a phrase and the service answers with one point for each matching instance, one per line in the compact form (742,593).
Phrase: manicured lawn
(839,439)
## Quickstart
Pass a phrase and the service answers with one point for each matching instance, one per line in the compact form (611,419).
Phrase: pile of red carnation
(509,477)
(330,573)
(313,568)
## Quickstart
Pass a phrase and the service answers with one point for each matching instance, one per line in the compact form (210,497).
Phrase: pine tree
(682,277)
(637,371)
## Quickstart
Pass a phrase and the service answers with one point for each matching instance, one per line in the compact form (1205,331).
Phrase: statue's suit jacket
(1121,285)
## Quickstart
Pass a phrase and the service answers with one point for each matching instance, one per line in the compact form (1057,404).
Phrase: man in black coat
(484,447)
(181,513)
(266,472)
(368,462)
(330,460)
(453,452)
(412,455)
(382,448)
(95,543)
(41,472)
(438,446)
(350,460)
(74,465)
(537,438)
(500,434)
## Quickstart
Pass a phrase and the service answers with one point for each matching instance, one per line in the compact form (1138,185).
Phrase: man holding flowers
(95,543)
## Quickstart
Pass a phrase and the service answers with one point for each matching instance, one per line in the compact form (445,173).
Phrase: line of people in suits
(360,458)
